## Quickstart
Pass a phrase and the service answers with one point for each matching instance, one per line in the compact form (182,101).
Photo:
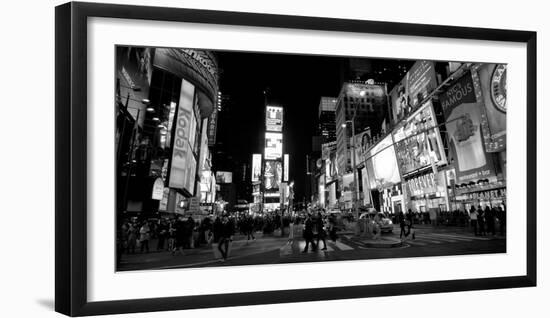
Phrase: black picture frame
(71,157)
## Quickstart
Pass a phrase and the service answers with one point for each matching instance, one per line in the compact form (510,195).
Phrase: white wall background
(27,157)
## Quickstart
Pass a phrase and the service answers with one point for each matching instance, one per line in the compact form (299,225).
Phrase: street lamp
(355,196)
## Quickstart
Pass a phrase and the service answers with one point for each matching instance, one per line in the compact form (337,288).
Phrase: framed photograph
(210,159)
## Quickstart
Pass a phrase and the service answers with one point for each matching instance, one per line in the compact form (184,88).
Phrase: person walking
(490,220)
(332,228)
(501,215)
(249,228)
(162,231)
(321,233)
(291,232)
(473,219)
(171,235)
(190,229)
(181,236)
(144,235)
(308,233)
(402,223)
(132,238)
(481,221)
(226,236)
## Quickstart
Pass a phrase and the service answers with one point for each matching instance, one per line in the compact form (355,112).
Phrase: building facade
(164,100)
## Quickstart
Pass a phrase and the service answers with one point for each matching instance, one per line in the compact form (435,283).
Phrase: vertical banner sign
(399,100)
(272,175)
(462,111)
(362,143)
(182,168)
(256,167)
(492,78)
(286,163)
(212,127)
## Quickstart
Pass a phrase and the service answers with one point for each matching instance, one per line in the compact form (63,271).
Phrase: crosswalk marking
(415,243)
(342,246)
(423,239)
(453,237)
(463,237)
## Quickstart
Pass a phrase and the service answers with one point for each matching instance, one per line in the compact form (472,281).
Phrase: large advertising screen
(415,86)
(273,175)
(382,165)
(492,78)
(273,145)
(224,177)
(183,164)
(274,118)
(462,112)
(418,141)
(256,167)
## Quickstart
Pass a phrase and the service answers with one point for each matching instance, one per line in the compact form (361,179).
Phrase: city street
(377,141)
(428,241)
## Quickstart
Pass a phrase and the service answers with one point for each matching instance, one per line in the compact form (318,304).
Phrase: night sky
(295,82)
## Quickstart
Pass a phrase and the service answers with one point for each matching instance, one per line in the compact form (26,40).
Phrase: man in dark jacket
(226,234)
(321,233)
(308,234)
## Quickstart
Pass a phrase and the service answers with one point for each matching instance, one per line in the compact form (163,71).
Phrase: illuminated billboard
(362,143)
(273,145)
(463,115)
(256,167)
(274,118)
(382,165)
(418,142)
(224,177)
(272,175)
(329,155)
(183,164)
(286,171)
(415,86)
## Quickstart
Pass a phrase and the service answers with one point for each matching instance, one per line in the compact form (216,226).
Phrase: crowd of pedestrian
(483,220)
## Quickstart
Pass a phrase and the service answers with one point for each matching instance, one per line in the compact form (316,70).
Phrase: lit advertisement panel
(273,145)
(462,111)
(183,163)
(418,142)
(399,100)
(362,143)
(274,118)
(286,171)
(329,155)
(272,175)
(256,167)
(382,165)
(421,81)
(415,86)
(224,177)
